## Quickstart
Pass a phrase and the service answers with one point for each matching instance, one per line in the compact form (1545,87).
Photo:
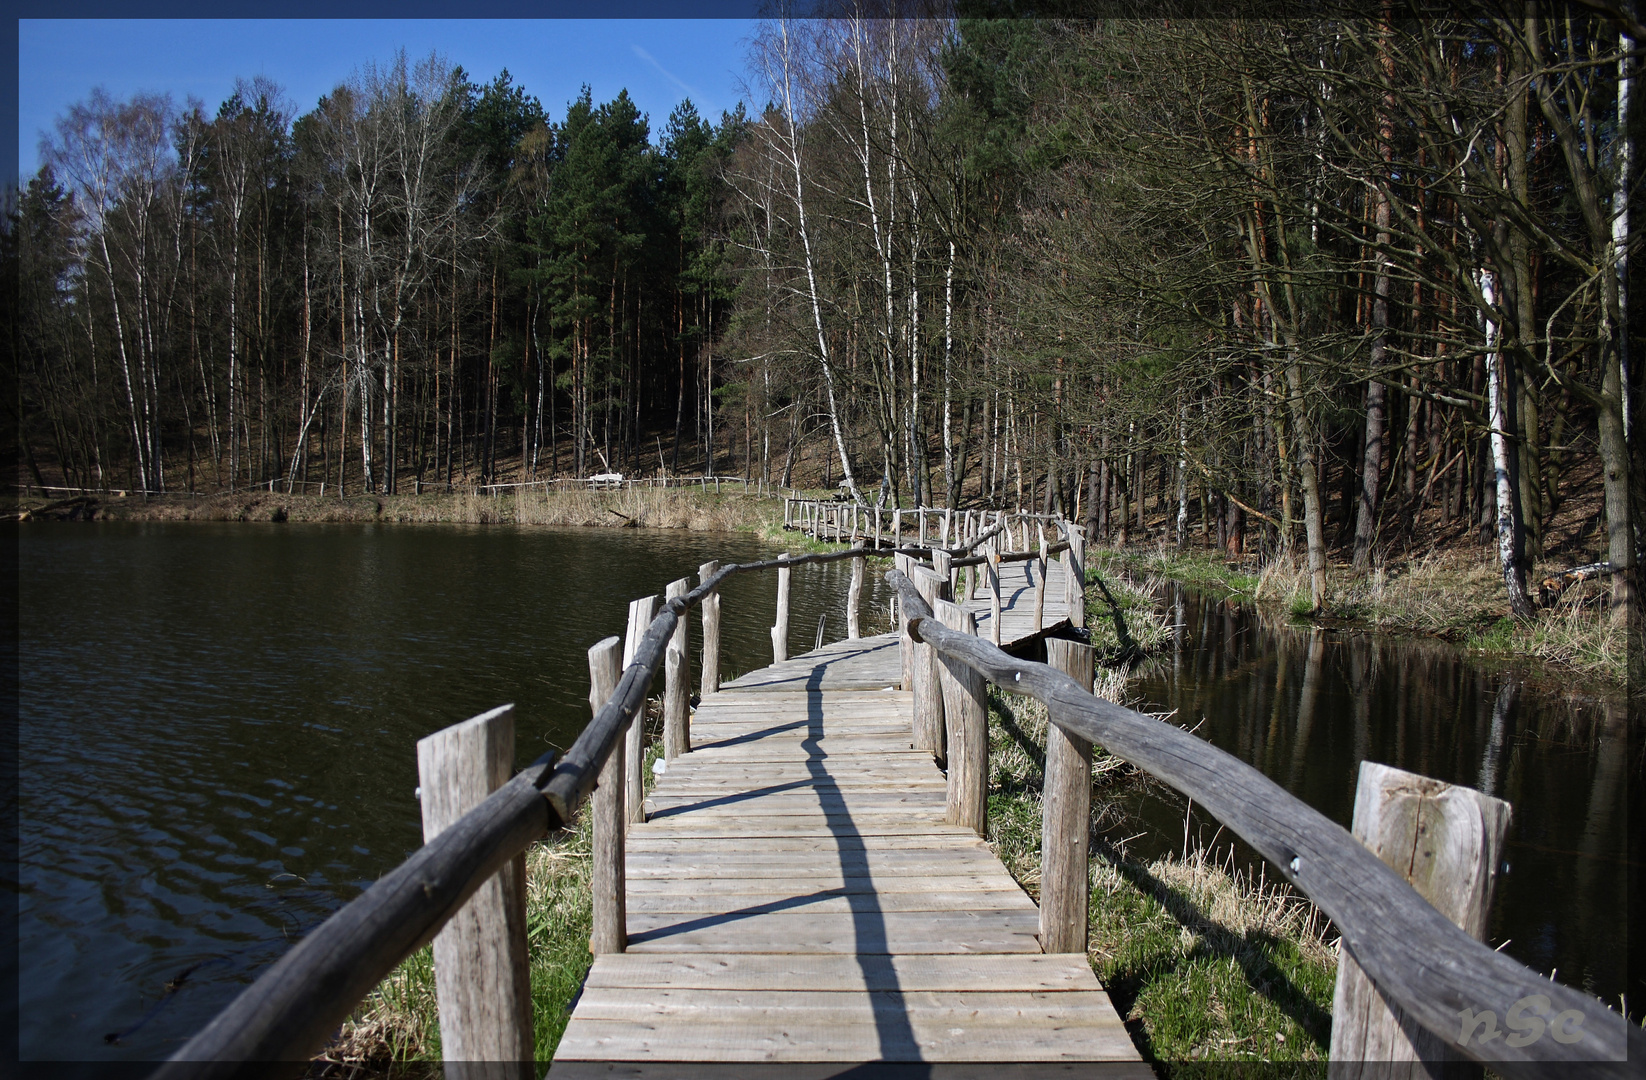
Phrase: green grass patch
(1209,967)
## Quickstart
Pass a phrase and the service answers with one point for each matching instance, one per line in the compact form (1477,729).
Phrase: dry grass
(1205,961)
(638,507)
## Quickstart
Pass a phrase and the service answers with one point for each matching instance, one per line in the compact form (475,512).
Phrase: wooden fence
(296,1006)
(1442,985)
(1443,992)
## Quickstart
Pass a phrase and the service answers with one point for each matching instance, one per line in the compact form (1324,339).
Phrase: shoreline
(1449,593)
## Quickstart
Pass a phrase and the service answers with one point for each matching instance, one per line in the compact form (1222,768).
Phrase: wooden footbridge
(805,891)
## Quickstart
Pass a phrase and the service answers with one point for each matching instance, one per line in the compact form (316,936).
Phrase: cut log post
(610,920)
(1074,576)
(928,691)
(786,508)
(877,528)
(993,568)
(965,710)
(709,682)
(641,614)
(1447,841)
(780,630)
(1065,823)
(897,526)
(677,684)
(854,598)
(941,567)
(482,981)
(905,566)
(948,521)
(1040,589)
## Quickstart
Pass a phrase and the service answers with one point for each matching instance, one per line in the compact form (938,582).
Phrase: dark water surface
(218,727)
(1306,705)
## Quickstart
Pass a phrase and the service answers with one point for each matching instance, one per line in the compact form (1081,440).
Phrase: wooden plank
(834,1070)
(481,970)
(825,972)
(831,899)
(829,878)
(897,1037)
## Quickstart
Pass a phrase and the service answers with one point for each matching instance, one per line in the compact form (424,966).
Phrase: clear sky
(659,61)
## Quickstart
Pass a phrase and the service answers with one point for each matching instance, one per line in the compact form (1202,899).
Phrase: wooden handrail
(1439,975)
(293,1008)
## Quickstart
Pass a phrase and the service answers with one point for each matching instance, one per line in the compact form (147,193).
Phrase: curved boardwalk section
(797,907)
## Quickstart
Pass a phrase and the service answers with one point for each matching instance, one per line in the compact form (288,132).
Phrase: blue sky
(659,61)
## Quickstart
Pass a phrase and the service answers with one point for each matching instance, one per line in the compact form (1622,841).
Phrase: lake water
(1306,705)
(218,726)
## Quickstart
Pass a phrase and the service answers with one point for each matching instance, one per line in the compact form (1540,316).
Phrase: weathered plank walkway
(798,907)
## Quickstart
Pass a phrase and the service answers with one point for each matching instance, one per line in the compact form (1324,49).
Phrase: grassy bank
(1202,962)
(638,507)
(395,1033)
(1454,594)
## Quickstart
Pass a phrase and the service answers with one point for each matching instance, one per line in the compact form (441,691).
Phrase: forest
(1311,284)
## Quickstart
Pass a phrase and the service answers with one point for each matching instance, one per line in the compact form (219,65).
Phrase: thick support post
(1074,575)
(905,566)
(641,614)
(709,683)
(966,711)
(993,569)
(854,598)
(1448,842)
(928,691)
(877,528)
(780,630)
(1040,588)
(610,908)
(482,984)
(940,566)
(677,683)
(920,517)
(1065,879)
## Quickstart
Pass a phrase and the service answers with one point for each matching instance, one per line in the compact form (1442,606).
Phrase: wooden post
(1040,589)
(677,692)
(905,566)
(1066,807)
(897,527)
(710,681)
(854,597)
(780,631)
(877,528)
(610,921)
(940,567)
(641,614)
(948,521)
(920,516)
(482,982)
(1074,569)
(965,708)
(993,569)
(1448,842)
(928,691)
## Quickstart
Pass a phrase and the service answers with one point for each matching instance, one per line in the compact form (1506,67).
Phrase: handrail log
(1437,973)
(1015,556)
(293,1008)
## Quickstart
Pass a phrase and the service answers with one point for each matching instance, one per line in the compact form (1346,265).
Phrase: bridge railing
(292,1010)
(1435,976)
(845,522)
